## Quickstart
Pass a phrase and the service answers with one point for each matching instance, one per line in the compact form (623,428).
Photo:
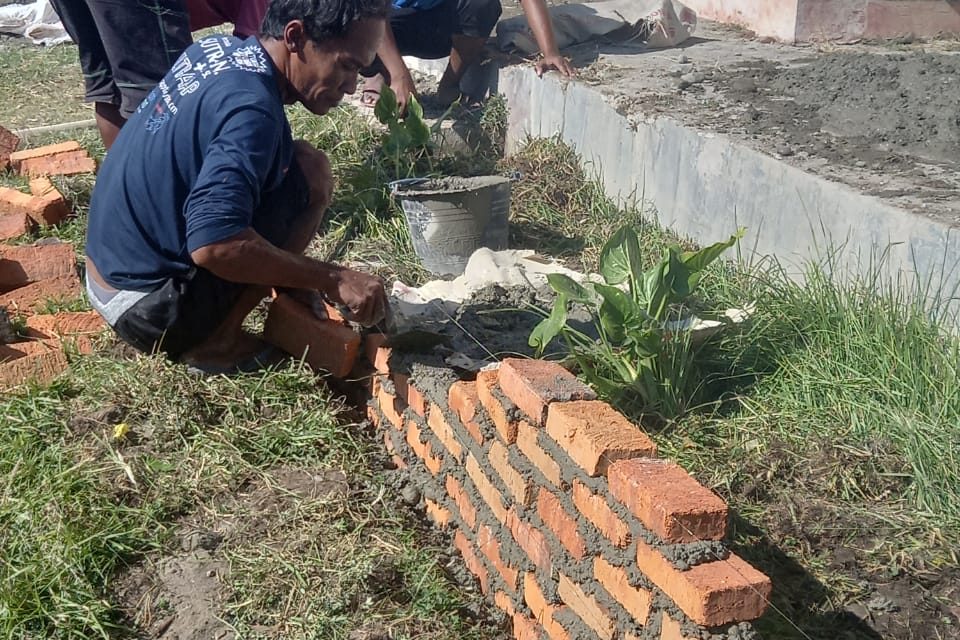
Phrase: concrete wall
(704,186)
(805,20)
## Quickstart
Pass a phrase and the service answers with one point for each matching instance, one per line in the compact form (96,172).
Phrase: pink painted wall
(886,18)
(774,18)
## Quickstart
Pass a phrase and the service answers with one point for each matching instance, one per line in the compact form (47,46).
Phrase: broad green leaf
(677,276)
(616,312)
(697,261)
(614,257)
(387,108)
(645,344)
(549,327)
(569,287)
(414,108)
(657,289)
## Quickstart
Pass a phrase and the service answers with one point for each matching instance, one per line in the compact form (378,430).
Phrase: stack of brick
(31,278)
(44,205)
(561,509)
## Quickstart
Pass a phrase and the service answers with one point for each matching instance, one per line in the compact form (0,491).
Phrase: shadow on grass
(799,600)
(544,239)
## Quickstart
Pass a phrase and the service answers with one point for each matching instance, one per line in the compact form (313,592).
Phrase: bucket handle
(397,185)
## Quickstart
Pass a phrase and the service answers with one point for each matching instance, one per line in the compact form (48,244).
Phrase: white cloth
(36,21)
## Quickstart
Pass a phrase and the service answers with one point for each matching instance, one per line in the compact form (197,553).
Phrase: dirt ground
(878,117)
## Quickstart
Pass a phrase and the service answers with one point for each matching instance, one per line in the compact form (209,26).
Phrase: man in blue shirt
(205,201)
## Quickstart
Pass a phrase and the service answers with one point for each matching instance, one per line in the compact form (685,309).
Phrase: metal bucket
(450,218)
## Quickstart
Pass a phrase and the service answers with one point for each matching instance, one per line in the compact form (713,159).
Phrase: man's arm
(250,259)
(400,79)
(539,19)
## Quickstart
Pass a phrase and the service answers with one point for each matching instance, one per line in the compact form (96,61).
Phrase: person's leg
(99,88)
(308,191)
(476,20)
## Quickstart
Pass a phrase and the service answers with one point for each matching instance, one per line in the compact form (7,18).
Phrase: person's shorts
(125,46)
(427,33)
(186,310)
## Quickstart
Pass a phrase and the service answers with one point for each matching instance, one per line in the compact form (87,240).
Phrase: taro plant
(408,143)
(636,358)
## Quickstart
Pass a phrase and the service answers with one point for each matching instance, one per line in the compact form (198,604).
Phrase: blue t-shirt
(189,167)
(419,5)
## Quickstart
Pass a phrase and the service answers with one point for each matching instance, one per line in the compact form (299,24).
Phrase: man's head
(323,44)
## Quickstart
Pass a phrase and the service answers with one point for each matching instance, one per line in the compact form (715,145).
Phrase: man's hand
(554,62)
(363,295)
(404,86)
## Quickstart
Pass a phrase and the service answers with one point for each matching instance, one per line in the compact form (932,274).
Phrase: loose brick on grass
(46,150)
(437,513)
(505,425)
(488,493)
(474,564)
(35,361)
(49,207)
(595,509)
(409,393)
(8,144)
(586,607)
(533,384)
(489,545)
(667,500)
(14,225)
(74,327)
(324,344)
(465,402)
(22,265)
(531,540)
(561,523)
(527,436)
(616,582)
(520,486)
(15,201)
(464,505)
(594,434)
(711,594)
(444,432)
(68,163)
(37,295)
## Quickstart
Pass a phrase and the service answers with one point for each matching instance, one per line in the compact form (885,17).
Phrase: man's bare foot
(225,354)
(370,93)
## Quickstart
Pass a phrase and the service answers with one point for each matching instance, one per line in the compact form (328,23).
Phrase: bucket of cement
(450,218)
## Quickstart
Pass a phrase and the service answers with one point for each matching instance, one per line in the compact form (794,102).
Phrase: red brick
(15,201)
(467,511)
(410,394)
(527,436)
(524,628)
(62,164)
(667,500)
(590,611)
(543,611)
(594,434)
(390,406)
(465,402)
(485,488)
(444,432)
(670,629)
(36,361)
(49,206)
(438,514)
(323,344)
(46,150)
(377,353)
(595,509)
(556,518)
(533,384)
(19,266)
(486,386)
(37,295)
(616,582)
(711,594)
(424,450)
(76,328)
(504,603)
(14,225)
(8,144)
(517,484)
(474,564)
(489,546)
(531,540)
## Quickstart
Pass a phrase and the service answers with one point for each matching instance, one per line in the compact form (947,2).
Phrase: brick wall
(559,506)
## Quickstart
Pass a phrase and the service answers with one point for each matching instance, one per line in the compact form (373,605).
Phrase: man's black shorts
(187,310)
(427,33)
(125,46)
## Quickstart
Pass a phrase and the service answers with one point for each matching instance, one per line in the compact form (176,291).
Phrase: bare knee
(317,170)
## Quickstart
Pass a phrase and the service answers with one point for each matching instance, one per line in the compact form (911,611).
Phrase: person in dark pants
(433,29)
(205,201)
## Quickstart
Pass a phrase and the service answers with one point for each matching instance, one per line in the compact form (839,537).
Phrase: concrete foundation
(812,20)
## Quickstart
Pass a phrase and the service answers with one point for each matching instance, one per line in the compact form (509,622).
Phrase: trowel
(402,334)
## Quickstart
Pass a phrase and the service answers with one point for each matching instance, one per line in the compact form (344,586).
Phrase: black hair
(322,19)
